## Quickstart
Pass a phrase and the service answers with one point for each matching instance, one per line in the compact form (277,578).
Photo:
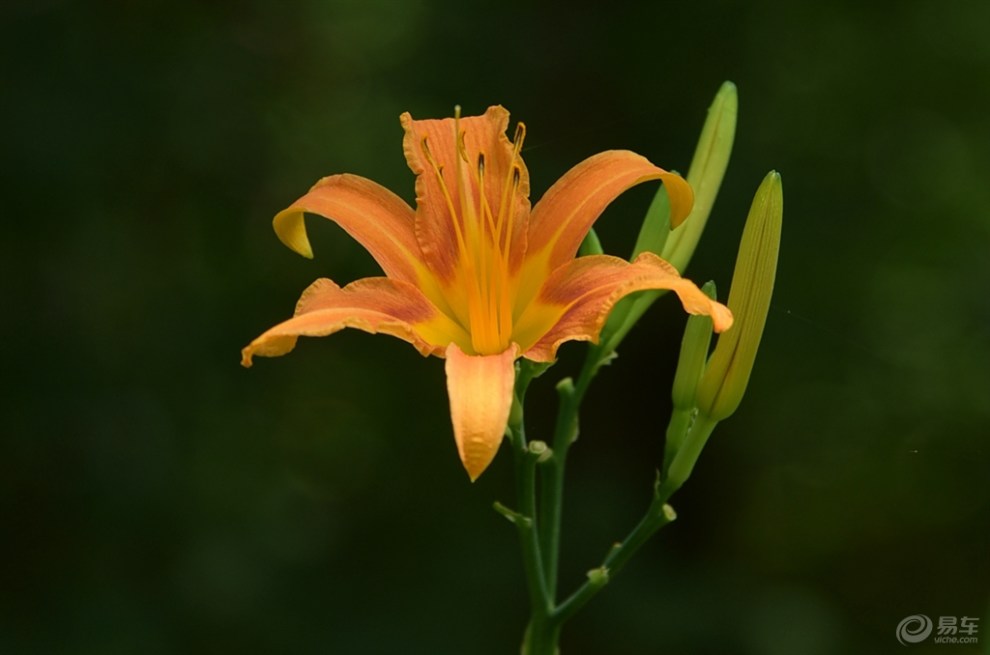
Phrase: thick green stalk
(542,638)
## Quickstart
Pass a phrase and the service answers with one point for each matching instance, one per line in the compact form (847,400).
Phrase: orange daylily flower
(473,275)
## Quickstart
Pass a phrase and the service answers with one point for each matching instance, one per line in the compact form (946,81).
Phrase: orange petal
(430,146)
(576,300)
(374,216)
(562,218)
(373,305)
(480,391)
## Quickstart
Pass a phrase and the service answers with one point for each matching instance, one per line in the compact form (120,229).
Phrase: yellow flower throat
(483,293)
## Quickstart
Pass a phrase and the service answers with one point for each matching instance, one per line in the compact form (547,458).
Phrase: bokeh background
(155,497)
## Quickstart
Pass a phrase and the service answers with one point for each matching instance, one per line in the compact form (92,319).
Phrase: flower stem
(539,531)
(541,638)
(525,519)
(657,515)
(565,433)
(691,444)
(677,431)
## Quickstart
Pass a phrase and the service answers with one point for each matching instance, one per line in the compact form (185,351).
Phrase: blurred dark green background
(158,498)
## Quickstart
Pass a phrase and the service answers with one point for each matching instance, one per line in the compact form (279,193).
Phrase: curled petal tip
(721,317)
(291,231)
(681,198)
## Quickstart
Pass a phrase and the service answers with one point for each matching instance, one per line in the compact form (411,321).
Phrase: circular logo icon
(914,629)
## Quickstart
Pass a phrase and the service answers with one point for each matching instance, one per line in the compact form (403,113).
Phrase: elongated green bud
(655,229)
(711,157)
(694,354)
(690,367)
(724,381)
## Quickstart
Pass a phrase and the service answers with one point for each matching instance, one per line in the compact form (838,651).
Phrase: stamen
(474,259)
(497,281)
(438,171)
(506,226)
(471,223)
(510,219)
(484,237)
(506,314)
(512,174)
(463,261)
(484,209)
(517,139)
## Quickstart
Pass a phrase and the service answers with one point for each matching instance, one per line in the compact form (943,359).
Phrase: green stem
(687,455)
(525,519)
(690,437)
(539,531)
(542,634)
(677,431)
(565,433)
(541,638)
(657,515)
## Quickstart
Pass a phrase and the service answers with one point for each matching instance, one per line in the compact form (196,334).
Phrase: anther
(519,137)
(426,151)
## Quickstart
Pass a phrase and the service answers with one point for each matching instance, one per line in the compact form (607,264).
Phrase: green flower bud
(727,374)
(690,367)
(694,354)
(711,157)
